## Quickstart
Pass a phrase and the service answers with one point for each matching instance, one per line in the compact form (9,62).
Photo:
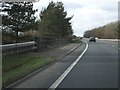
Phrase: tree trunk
(16,38)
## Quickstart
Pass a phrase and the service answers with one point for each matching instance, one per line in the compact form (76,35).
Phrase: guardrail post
(37,40)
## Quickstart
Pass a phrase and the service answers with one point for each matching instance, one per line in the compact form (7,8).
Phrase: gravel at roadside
(58,52)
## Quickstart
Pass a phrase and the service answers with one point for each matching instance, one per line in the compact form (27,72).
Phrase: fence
(10,49)
(51,42)
(17,48)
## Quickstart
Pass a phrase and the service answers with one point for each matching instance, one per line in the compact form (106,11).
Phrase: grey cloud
(110,6)
(72,5)
(88,14)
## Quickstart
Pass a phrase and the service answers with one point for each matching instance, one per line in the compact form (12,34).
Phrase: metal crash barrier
(17,48)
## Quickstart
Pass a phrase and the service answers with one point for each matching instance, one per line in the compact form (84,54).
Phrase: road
(98,68)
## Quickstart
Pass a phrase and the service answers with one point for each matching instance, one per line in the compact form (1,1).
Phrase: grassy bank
(15,67)
(18,66)
(76,40)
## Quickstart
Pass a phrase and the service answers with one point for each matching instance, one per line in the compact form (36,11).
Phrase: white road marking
(61,78)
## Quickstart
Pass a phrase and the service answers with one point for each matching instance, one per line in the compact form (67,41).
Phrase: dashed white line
(61,78)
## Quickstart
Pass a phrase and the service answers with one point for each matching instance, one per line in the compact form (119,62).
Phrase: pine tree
(19,18)
(54,22)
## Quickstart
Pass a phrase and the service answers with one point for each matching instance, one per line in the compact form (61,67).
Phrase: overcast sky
(88,14)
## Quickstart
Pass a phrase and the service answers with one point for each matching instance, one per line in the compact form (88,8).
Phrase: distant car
(96,38)
(92,39)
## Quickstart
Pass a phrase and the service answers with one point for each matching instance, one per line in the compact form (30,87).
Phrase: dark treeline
(109,31)
(19,22)
(17,18)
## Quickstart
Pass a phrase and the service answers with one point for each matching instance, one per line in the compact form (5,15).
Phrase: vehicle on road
(92,39)
(96,38)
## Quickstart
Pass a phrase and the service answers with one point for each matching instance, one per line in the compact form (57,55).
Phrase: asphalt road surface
(97,68)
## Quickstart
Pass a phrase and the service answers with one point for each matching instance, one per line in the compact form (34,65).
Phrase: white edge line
(33,72)
(60,79)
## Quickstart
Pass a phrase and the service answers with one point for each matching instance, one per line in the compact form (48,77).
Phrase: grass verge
(77,40)
(16,67)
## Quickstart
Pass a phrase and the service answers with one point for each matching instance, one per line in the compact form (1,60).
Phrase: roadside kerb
(41,69)
(69,52)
